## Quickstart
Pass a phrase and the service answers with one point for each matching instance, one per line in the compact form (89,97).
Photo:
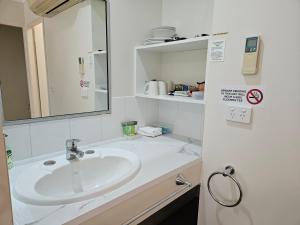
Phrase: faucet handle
(72,143)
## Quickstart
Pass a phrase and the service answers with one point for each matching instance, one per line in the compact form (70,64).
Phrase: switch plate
(241,114)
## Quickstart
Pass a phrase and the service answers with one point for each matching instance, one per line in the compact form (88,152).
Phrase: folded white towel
(150,131)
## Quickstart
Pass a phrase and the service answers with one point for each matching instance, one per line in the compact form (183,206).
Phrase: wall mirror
(56,64)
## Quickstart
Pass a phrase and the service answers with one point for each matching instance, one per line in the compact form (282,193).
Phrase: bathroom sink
(59,181)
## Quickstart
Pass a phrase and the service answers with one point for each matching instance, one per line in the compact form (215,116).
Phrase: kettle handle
(146,88)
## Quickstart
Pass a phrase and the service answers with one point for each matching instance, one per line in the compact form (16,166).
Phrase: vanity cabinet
(158,203)
(182,211)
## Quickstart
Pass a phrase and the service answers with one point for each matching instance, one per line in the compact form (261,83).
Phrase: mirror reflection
(57,64)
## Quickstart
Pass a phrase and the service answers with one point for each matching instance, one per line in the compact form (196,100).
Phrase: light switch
(84,92)
(241,114)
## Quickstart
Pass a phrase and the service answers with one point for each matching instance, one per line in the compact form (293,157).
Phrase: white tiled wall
(141,110)
(87,129)
(19,140)
(111,122)
(45,137)
(48,136)
(185,119)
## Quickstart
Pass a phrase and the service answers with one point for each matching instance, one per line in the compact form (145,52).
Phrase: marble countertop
(159,157)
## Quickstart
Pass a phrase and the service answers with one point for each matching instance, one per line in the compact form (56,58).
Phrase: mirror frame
(83,114)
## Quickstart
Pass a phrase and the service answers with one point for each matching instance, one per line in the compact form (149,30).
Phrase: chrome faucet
(72,151)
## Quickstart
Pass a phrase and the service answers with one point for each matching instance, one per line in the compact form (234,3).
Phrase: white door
(265,153)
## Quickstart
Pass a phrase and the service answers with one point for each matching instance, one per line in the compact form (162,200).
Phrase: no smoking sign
(242,95)
(255,96)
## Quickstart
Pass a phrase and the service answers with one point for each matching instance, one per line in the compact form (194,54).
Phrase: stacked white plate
(160,34)
(163,32)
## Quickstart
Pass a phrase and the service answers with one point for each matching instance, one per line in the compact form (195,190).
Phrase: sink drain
(89,152)
(50,163)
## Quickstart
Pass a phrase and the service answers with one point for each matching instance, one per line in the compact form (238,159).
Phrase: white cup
(151,88)
(199,95)
(162,88)
(170,85)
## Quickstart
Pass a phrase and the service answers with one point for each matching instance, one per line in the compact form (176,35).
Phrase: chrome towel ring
(228,172)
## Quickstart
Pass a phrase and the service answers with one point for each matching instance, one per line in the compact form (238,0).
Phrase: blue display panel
(251,44)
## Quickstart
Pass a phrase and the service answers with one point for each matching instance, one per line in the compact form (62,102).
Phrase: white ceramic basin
(72,181)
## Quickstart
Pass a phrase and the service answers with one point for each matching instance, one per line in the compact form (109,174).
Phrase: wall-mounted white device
(236,113)
(251,56)
(50,8)
(81,65)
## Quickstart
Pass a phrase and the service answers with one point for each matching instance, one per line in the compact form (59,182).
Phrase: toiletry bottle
(9,155)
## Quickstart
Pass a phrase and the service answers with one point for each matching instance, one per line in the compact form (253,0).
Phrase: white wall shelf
(98,65)
(173,98)
(176,46)
(179,61)
(98,52)
(101,91)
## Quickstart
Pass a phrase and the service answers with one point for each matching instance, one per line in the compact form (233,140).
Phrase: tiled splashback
(45,137)
(186,119)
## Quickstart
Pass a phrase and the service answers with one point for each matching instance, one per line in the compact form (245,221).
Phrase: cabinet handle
(180,181)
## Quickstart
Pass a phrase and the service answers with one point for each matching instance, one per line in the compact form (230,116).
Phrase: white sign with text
(243,95)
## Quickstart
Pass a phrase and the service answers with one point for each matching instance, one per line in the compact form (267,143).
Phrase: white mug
(162,88)
(198,95)
(170,85)
(151,88)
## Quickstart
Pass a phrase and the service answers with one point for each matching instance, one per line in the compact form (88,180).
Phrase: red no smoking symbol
(255,96)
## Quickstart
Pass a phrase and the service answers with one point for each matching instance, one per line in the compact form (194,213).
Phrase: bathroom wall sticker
(255,96)
(84,88)
(242,95)
(216,51)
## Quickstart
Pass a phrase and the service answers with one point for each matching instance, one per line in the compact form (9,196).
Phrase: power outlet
(241,114)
